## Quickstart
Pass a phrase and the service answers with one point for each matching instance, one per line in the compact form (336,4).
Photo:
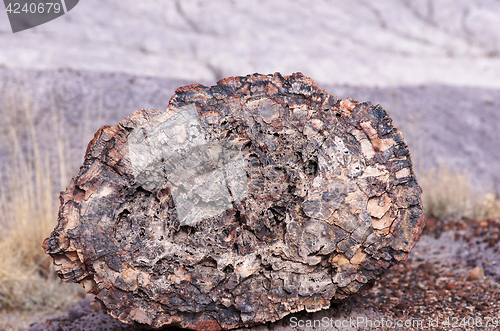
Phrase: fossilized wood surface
(242,203)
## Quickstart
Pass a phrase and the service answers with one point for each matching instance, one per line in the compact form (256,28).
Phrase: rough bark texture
(242,203)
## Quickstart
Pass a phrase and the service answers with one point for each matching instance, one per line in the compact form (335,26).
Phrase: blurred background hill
(361,43)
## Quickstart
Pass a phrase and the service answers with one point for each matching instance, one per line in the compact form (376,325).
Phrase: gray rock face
(242,203)
(358,42)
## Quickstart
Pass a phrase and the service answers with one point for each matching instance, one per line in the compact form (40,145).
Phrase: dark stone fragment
(240,204)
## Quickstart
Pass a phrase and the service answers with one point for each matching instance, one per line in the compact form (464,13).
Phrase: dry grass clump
(448,193)
(28,213)
(488,207)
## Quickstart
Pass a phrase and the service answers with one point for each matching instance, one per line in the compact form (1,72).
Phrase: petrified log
(242,203)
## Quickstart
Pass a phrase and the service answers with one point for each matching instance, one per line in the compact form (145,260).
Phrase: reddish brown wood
(240,204)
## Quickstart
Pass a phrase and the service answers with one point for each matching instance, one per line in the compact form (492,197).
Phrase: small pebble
(481,307)
(95,306)
(401,306)
(468,299)
(483,224)
(476,274)
(449,286)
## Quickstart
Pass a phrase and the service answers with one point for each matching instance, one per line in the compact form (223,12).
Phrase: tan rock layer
(242,203)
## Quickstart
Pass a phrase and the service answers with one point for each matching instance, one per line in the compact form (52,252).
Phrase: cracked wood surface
(242,203)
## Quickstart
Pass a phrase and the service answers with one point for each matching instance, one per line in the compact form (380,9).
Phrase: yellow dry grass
(448,193)
(28,213)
